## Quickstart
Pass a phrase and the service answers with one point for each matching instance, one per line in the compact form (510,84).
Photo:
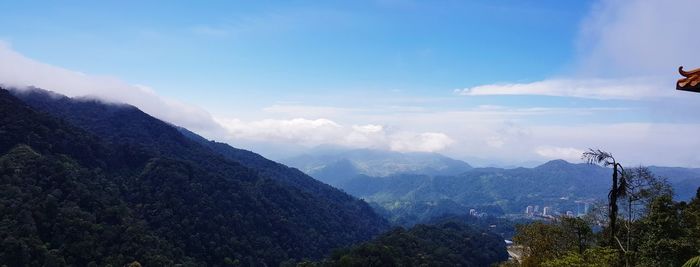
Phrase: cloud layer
(315,132)
(626,50)
(22,72)
(567,153)
(626,88)
(638,38)
(618,95)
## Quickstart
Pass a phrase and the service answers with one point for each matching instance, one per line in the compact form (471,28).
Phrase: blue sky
(284,49)
(510,81)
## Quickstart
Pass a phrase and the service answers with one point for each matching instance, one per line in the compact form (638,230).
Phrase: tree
(642,188)
(592,257)
(542,242)
(619,183)
(665,240)
(691,219)
(448,243)
(579,232)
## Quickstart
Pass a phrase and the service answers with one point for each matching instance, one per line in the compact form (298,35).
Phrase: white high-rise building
(529,210)
(546,211)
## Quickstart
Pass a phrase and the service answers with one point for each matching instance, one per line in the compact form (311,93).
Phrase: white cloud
(424,142)
(626,50)
(315,132)
(307,111)
(367,136)
(19,71)
(553,152)
(369,128)
(305,131)
(513,135)
(628,88)
(668,144)
(639,38)
(495,141)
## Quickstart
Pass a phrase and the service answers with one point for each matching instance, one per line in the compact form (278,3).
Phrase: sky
(489,82)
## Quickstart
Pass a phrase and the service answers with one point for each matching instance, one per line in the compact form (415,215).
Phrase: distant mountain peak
(555,163)
(373,162)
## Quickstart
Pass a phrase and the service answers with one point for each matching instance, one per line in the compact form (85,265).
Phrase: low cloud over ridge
(315,132)
(22,72)
(616,95)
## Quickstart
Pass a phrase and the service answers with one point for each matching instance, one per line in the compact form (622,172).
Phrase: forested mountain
(273,170)
(335,166)
(88,183)
(444,244)
(407,199)
(123,124)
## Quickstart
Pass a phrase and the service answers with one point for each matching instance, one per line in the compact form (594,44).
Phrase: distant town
(582,207)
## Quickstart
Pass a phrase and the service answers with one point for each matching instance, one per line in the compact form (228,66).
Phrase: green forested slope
(444,244)
(133,188)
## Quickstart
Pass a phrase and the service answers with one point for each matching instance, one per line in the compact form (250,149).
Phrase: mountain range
(91,183)
(437,185)
(337,165)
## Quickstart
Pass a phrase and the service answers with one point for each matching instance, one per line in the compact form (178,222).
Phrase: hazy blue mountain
(412,187)
(333,165)
(406,198)
(685,181)
(128,186)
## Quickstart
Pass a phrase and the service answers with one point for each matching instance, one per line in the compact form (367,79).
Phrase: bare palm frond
(597,156)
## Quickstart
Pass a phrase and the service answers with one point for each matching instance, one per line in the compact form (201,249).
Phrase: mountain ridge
(333,166)
(182,192)
(410,198)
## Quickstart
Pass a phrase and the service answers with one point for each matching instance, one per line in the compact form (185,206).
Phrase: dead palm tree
(619,183)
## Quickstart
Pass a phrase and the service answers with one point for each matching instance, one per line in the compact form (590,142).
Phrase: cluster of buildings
(564,208)
(546,212)
(535,211)
(475,213)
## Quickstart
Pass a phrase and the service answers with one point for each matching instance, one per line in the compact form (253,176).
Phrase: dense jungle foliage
(653,230)
(444,244)
(91,184)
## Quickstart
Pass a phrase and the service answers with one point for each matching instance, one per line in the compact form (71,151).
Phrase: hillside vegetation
(91,184)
